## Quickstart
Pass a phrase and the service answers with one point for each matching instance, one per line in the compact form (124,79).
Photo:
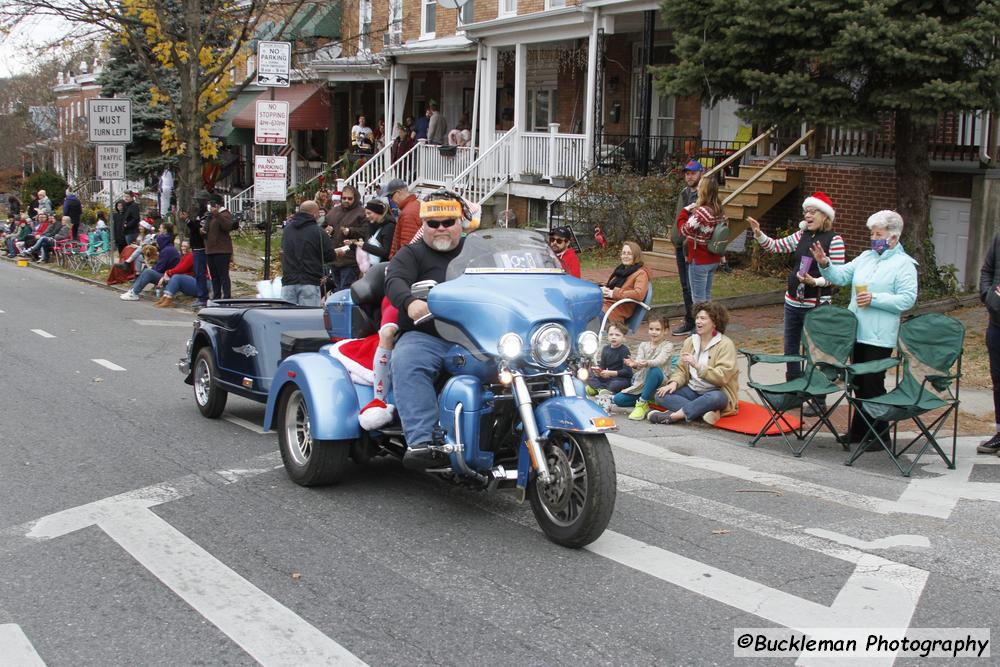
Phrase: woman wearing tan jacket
(629,280)
(705,383)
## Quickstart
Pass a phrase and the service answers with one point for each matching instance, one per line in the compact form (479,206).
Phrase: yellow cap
(440,208)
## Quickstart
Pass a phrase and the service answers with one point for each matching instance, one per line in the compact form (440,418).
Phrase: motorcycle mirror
(422,288)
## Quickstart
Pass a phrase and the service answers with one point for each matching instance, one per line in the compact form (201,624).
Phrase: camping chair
(635,319)
(929,346)
(828,336)
(98,252)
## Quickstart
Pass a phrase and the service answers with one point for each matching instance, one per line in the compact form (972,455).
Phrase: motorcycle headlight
(510,346)
(587,344)
(550,345)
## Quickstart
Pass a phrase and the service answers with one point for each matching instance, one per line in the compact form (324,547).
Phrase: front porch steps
(763,195)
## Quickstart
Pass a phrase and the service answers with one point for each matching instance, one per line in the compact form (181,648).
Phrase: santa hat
(821,202)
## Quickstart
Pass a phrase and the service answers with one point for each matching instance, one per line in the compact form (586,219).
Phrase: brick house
(73,157)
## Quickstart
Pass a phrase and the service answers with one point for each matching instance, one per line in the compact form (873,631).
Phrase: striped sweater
(787,245)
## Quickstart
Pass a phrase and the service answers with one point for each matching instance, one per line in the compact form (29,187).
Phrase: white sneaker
(129,296)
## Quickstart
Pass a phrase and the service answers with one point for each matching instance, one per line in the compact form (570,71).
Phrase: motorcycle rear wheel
(308,462)
(576,506)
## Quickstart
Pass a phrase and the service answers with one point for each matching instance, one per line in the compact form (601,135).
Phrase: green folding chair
(928,348)
(828,336)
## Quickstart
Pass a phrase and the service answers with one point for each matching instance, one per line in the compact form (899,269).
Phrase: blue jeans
(416,363)
(302,295)
(181,282)
(344,277)
(692,403)
(682,273)
(147,277)
(794,320)
(614,385)
(654,378)
(993,348)
(201,274)
(700,276)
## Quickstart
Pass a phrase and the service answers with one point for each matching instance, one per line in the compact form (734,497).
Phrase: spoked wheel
(574,508)
(308,462)
(210,399)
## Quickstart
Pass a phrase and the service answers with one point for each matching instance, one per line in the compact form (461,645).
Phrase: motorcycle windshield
(509,281)
(504,251)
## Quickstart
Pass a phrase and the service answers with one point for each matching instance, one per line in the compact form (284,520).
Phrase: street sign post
(270,174)
(271,123)
(109,120)
(274,63)
(110,162)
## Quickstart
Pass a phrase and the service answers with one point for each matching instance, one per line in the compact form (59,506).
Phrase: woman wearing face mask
(883,286)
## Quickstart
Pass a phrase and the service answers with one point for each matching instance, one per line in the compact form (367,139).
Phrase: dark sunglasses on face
(434,224)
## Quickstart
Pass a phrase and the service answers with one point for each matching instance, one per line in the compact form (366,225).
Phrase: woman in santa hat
(806,287)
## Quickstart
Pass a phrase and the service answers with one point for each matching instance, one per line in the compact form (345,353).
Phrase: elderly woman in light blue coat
(883,284)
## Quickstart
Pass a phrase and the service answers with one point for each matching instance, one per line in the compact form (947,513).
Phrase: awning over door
(223,127)
(308,107)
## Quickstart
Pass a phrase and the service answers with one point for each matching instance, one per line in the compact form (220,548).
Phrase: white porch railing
(552,154)
(404,168)
(433,166)
(244,201)
(370,170)
(489,173)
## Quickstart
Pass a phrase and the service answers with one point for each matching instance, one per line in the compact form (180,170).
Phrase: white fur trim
(803,224)
(819,205)
(359,373)
(375,418)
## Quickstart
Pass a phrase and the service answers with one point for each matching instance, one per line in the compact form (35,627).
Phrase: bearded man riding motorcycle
(419,354)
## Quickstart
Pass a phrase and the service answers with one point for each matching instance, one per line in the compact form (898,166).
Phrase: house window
(466,14)
(554,4)
(661,121)
(507,7)
(428,18)
(396,20)
(541,109)
(364,25)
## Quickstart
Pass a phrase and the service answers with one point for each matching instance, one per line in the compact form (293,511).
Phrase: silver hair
(890,221)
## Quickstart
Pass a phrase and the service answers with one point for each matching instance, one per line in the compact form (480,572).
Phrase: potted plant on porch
(561,181)
(530,177)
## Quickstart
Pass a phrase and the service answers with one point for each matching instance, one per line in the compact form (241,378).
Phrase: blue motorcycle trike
(513,412)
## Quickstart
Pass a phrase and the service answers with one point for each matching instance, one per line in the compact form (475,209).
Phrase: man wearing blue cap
(692,174)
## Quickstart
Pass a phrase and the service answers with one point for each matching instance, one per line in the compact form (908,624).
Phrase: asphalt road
(135,532)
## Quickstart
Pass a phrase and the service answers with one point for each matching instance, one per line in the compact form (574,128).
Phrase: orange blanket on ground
(752,417)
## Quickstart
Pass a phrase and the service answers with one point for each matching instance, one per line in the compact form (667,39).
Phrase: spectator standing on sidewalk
(697,225)
(44,203)
(806,288)
(130,218)
(559,242)
(686,197)
(196,238)
(408,223)
(219,247)
(73,209)
(347,221)
(989,294)
(304,247)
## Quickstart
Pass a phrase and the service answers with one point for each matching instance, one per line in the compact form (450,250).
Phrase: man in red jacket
(559,241)
(409,222)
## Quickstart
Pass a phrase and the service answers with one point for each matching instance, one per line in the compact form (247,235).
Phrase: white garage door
(950,217)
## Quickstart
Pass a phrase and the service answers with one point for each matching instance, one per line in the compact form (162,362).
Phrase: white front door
(950,220)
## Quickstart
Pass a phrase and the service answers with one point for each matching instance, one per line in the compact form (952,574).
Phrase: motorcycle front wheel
(574,508)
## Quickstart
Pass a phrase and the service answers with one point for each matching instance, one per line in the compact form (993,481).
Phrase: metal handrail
(463,182)
(767,167)
(377,180)
(579,181)
(741,152)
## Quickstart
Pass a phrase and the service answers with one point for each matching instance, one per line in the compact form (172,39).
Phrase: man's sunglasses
(434,224)
(558,239)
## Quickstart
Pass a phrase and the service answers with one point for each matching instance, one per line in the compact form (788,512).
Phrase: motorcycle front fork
(522,396)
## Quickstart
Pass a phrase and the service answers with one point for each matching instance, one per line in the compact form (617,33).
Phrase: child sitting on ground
(650,365)
(611,375)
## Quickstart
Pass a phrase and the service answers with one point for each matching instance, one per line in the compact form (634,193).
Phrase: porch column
(553,157)
(487,98)
(387,89)
(588,114)
(401,86)
(520,103)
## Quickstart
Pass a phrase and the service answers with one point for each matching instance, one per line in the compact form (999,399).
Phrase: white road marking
(43,333)
(889,542)
(17,648)
(107,364)
(786,484)
(2,312)
(937,496)
(163,323)
(879,593)
(248,425)
(269,632)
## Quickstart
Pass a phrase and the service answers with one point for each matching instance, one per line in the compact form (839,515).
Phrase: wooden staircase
(756,200)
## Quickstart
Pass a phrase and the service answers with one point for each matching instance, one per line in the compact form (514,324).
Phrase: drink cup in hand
(859,289)
(805,265)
